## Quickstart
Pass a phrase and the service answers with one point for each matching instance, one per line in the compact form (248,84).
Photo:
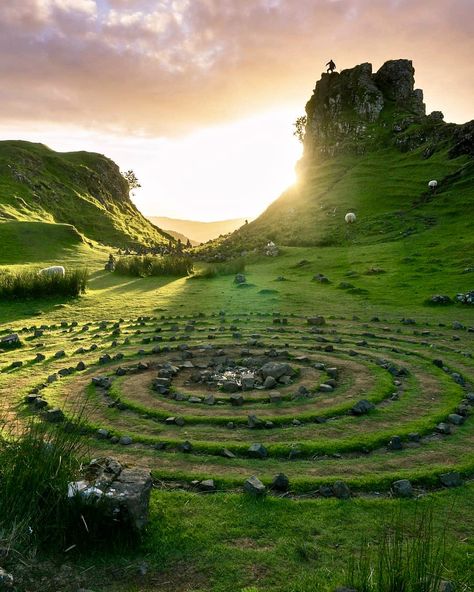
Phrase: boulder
(125,492)
(276,370)
(54,415)
(236,400)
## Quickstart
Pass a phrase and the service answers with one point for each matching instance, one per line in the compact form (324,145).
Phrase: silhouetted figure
(331,67)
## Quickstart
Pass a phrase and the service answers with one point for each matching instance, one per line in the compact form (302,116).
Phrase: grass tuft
(150,265)
(30,284)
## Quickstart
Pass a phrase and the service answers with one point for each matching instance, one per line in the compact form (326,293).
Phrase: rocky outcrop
(346,108)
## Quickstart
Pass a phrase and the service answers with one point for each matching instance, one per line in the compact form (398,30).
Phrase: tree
(131,179)
(300,127)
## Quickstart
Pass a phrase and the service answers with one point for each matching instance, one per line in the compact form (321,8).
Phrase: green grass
(80,189)
(26,284)
(149,265)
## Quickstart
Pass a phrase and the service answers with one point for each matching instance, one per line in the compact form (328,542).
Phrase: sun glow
(228,171)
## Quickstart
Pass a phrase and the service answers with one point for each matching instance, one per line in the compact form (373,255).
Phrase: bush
(210,270)
(409,557)
(154,265)
(30,284)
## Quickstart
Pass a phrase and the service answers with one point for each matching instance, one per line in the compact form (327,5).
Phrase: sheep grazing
(53,270)
(350,218)
(433,184)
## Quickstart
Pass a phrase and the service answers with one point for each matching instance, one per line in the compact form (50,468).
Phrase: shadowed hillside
(82,189)
(370,148)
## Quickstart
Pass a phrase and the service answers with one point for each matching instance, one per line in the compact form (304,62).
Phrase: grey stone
(325,388)
(316,321)
(127,491)
(207,485)
(185,447)
(6,580)
(395,443)
(54,415)
(60,354)
(254,486)
(456,419)
(236,400)
(269,382)
(280,482)
(102,434)
(227,453)
(257,451)
(341,490)
(276,370)
(361,407)
(443,428)
(452,479)
(402,488)
(125,440)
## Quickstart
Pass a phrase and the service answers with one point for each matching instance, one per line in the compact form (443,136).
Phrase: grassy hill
(79,189)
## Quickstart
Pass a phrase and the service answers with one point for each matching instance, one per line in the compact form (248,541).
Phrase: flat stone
(227,453)
(207,485)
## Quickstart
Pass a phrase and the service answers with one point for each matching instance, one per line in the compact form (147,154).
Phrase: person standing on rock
(331,67)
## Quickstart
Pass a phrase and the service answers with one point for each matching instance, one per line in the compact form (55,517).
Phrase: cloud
(165,67)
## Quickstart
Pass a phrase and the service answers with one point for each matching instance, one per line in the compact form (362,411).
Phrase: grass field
(300,541)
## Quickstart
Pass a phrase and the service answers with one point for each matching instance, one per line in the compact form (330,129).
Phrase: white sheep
(433,184)
(350,218)
(53,270)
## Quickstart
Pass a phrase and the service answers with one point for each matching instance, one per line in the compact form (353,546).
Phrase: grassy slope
(77,188)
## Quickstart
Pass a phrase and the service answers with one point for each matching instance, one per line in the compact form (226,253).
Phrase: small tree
(300,126)
(131,179)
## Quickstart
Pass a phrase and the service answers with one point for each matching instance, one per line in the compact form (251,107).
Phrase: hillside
(81,189)
(370,148)
(198,232)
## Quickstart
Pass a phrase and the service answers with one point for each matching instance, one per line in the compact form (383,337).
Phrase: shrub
(30,284)
(409,557)
(154,265)
(211,270)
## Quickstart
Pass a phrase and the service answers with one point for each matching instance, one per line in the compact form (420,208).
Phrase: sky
(198,97)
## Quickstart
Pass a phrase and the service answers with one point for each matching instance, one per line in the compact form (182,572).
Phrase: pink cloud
(169,66)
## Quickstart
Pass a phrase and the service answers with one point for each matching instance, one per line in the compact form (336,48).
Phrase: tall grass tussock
(36,464)
(408,557)
(31,284)
(211,270)
(154,265)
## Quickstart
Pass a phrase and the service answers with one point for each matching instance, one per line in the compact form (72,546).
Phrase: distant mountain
(197,232)
(81,189)
(178,236)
